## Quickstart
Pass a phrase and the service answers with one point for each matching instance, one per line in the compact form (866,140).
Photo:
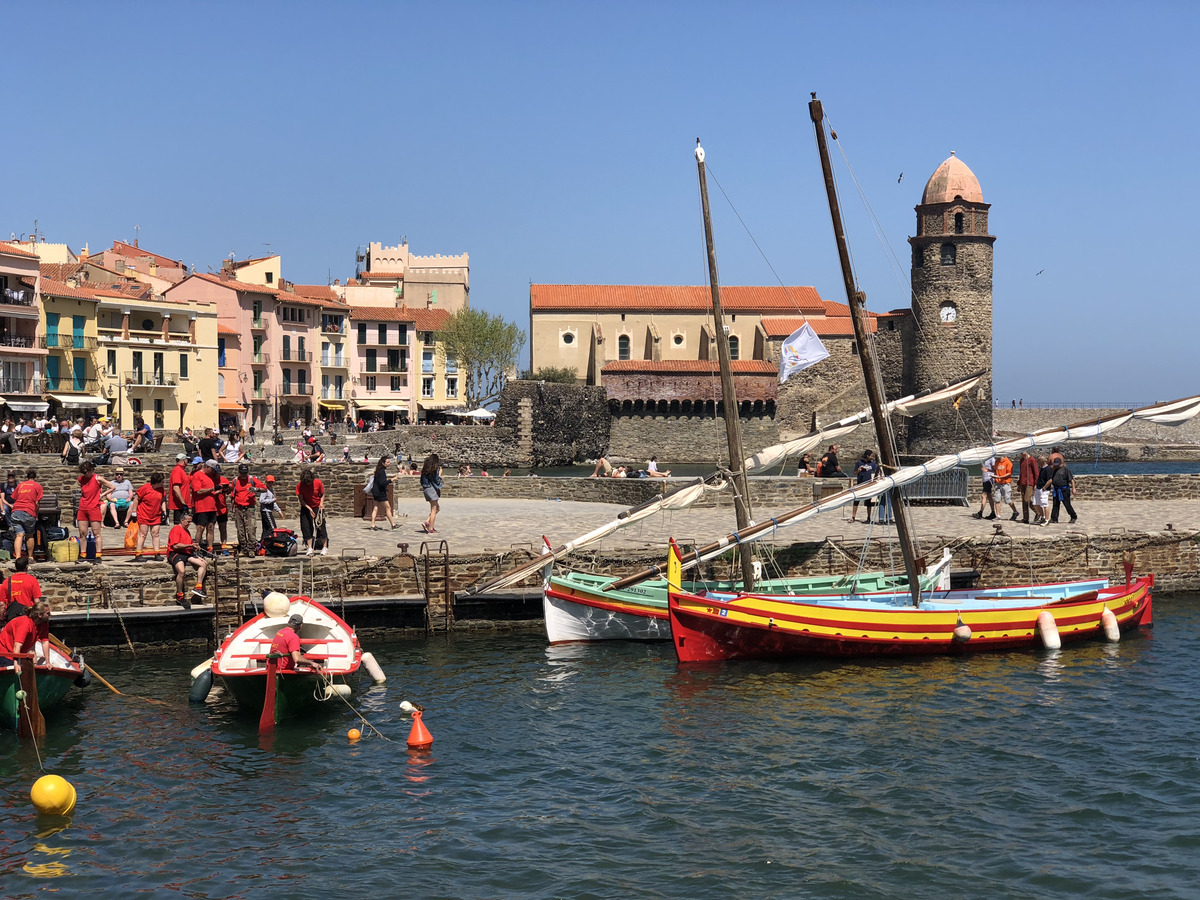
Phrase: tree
(553,375)
(486,350)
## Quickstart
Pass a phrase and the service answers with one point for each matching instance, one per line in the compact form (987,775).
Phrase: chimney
(135,246)
(83,254)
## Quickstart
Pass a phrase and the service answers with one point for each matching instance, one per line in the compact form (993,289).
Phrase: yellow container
(64,551)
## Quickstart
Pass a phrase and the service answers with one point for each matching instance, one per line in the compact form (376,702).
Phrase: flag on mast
(800,351)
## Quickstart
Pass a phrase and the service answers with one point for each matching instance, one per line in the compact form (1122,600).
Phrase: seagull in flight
(900,179)
(1039,272)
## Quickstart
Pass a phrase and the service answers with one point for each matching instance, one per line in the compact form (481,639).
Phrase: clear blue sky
(553,142)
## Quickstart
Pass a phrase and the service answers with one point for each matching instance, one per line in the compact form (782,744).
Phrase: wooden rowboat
(53,680)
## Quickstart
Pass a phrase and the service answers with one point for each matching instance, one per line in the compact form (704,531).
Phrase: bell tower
(952,308)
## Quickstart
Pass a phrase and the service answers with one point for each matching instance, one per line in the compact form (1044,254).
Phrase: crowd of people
(92,435)
(1045,485)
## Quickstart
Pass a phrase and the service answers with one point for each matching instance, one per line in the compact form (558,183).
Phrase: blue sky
(553,142)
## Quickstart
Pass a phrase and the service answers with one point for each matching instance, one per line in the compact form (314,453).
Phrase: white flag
(800,351)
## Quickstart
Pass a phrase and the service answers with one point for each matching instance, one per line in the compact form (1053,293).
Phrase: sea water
(612,771)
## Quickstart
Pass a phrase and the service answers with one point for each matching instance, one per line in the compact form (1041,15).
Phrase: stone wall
(684,439)
(570,422)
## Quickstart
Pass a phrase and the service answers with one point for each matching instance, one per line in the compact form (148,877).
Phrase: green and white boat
(55,678)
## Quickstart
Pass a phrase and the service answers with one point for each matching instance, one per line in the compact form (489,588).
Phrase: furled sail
(906,406)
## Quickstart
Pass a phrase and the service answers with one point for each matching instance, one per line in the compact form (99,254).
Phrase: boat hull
(705,629)
(296,693)
(577,608)
(53,684)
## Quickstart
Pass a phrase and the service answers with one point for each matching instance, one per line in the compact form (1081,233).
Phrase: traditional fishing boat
(747,625)
(250,671)
(52,681)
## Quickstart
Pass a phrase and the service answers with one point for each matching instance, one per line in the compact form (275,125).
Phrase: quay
(405,582)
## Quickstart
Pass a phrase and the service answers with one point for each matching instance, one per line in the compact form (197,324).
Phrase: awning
(230,406)
(80,401)
(333,404)
(440,404)
(373,407)
(38,406)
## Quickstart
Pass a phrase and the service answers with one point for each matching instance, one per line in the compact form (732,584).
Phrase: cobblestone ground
(472,526)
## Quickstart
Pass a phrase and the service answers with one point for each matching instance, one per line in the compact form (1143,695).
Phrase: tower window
(949,254)
(733,347)
(918,257)
(958,223)
(623,347)
(677,340)
(568,337)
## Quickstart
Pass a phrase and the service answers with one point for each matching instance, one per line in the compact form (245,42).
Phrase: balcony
(260,359)
(21,298)
(67,342)
(16,342)
(22,385)
(259,393)
(333,393)
(155,379)
(297,356)
(258,323)
(400,369)
(335,362)
(72,385)
(296,390)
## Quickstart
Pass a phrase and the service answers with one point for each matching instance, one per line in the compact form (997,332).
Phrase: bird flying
(1039,272)
(900,179)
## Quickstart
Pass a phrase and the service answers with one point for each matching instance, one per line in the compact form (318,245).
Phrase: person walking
(26,497)
(1002,490)
(866,469)
(1026,484)
(1062,485)
(179,496)
(986,495)
(1041,493)
(431,487)
(378,491)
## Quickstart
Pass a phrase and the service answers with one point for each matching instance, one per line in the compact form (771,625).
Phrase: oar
(266,722)
(67,650)
(32,724)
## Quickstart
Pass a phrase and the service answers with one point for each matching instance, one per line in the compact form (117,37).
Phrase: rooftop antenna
(267,244)
(137,233)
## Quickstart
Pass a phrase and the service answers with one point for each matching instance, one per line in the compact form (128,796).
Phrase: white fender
(373,668)
(336,690)
(1108,624)
(1047,630)
(207,664)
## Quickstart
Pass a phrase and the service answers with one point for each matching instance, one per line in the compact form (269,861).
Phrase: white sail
(1174,413)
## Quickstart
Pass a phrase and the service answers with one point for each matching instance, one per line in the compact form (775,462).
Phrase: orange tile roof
(293,297)
(61,271)
(671,298)
(222,328)
(62,289)
(10,250)
(835,326)
(690,366)
(427,319)
(123,249)
(316,291)
(381,314)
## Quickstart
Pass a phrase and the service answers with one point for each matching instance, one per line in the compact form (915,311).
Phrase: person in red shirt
(287,644)
(25,510)
(148,509)
(92,489)
(1026,481)
(224,488)
(181,551)
(179,494)
(19,592)
(204,500)
(311,492)
(24,633)
(245,498)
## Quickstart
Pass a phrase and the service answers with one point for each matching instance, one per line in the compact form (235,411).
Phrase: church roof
(952,179)
(673,298)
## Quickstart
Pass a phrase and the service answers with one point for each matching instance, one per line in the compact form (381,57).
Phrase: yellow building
(67,331)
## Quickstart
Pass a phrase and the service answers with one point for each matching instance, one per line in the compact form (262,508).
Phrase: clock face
(949,313)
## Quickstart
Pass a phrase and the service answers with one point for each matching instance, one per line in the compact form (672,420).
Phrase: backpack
(282,543)
(72,455)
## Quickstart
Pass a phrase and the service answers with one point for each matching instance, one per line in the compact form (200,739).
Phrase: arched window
(733,347)
(949,254)
(220,385)
(623,347)
(958,223)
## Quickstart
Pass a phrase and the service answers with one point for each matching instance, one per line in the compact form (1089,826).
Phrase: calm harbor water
(611,771)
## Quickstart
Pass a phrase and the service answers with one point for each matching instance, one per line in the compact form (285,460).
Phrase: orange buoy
(354,734)
(419,737)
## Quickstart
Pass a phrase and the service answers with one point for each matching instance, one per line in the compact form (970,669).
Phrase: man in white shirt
(988,471)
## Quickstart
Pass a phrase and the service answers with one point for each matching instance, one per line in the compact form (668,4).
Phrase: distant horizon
(554,145)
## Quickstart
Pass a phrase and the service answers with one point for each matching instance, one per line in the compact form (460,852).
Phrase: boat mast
(733,432)
(857,302)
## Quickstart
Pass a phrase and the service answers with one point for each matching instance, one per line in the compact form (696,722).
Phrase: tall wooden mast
(866,353)
(733,431)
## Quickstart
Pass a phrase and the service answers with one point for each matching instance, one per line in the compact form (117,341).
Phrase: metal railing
(66,342)
(296,390)
(158,379)
(17,297)
(17,341)
(335,362)
(260,359)
(258,322)
(73,385)
(259,393)
(1081,404)
(22,385)
(298,356)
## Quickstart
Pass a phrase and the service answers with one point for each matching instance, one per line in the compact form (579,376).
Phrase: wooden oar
(32,724)
(266,722)
(67,650)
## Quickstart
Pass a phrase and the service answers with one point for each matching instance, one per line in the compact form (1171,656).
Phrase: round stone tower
(952,307)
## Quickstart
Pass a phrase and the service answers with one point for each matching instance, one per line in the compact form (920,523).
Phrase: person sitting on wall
(652,469)
(181,552)
(143,437)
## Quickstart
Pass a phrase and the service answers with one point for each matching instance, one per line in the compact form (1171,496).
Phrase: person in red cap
(19,592)
(246,489)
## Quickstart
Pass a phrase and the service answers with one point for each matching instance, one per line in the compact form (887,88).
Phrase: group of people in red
(26,617)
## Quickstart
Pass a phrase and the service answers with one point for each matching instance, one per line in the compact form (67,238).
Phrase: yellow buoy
(354,734)
(53,795)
